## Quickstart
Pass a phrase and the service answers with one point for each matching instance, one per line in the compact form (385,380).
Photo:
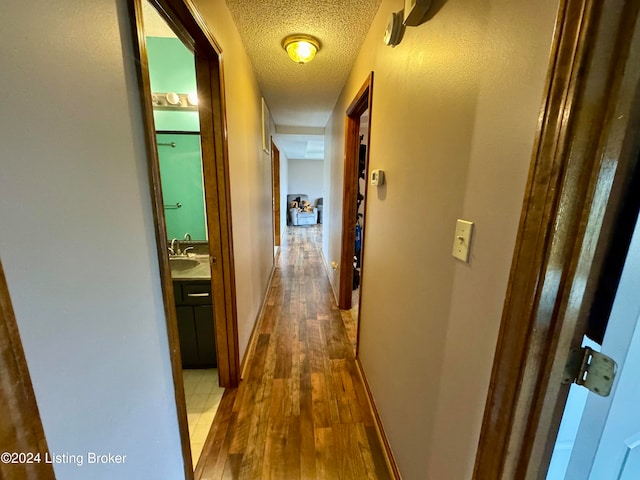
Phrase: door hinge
(593,370)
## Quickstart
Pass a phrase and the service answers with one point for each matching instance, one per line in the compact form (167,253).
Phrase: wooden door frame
(362,101)
(19,407)
(586,152)
(189,26)
(275,192)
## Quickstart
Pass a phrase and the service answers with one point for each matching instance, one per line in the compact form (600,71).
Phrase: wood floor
(301,411)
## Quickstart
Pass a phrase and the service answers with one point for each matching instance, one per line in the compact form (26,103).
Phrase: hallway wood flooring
(301,412)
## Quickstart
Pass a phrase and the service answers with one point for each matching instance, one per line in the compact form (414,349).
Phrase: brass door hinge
(593,370)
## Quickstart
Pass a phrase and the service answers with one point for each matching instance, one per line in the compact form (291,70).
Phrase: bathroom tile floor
(202,395)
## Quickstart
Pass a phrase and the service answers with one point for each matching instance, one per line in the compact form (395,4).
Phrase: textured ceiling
(302,95)
(299,96)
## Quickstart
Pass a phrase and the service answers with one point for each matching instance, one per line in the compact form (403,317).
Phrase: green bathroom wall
(172,69)
(181,176)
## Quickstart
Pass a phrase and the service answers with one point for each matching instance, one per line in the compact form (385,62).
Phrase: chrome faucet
(184,252)
(175,247)
(187,237)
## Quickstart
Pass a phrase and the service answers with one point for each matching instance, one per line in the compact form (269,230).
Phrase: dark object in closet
(362,160)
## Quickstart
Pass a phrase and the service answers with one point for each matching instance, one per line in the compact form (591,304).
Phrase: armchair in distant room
(301,212)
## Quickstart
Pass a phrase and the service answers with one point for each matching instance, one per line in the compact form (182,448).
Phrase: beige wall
(454,115)
(306,176)
(249,170)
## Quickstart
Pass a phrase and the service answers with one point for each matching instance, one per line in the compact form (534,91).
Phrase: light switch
(462,240)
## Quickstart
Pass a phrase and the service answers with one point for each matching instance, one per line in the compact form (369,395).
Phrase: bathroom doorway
(182,97)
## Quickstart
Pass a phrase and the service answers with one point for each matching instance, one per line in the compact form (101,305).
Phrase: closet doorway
(356,173)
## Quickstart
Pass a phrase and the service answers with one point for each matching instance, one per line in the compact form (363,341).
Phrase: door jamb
(275,189)
(19,407)
(586,150)
(362,100)
(189,26)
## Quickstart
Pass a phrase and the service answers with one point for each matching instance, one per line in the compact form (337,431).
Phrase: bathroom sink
(181,264)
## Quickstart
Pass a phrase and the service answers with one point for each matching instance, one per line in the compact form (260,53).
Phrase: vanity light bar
(174,101)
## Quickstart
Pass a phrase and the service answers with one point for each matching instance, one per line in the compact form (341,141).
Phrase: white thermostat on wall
(377,177)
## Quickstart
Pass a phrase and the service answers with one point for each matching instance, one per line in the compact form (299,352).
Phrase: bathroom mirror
(173,84)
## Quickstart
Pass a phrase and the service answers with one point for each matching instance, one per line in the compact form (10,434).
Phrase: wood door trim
(19,407)
(191,29)
(565,225)
(218,221)
(362,100)
(157,203)
(275,181)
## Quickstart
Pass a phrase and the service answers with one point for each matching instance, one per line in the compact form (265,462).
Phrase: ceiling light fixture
(301,48)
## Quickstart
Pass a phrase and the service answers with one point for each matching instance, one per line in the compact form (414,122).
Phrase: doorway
(581,205)
(599,437)
(356,173)
(184,128)
(354,194)
(275,192)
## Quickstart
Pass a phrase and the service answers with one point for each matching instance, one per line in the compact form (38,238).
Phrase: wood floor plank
(272,465)
(326,457)
(216,445)
(316,346)
(321,413)
(301,412)
(340,393)
(292,449)
(232,467)
(307,434)
(268,321)
(253,457)
(257,366)
(350,463)
(365,451)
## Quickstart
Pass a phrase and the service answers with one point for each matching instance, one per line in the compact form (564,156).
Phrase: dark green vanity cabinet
(194,311)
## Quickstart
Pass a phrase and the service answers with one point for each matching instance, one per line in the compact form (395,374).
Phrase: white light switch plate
(462,240)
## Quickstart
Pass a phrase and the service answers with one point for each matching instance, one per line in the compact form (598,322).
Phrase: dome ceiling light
(301,48)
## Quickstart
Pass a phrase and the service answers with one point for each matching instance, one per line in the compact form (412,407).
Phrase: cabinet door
(206,335)
(188,336)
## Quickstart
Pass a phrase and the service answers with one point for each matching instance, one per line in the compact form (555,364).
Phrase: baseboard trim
(329,271)
(388,454)
(253,338)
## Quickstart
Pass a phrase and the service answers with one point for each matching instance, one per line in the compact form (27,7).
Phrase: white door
(599,437)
